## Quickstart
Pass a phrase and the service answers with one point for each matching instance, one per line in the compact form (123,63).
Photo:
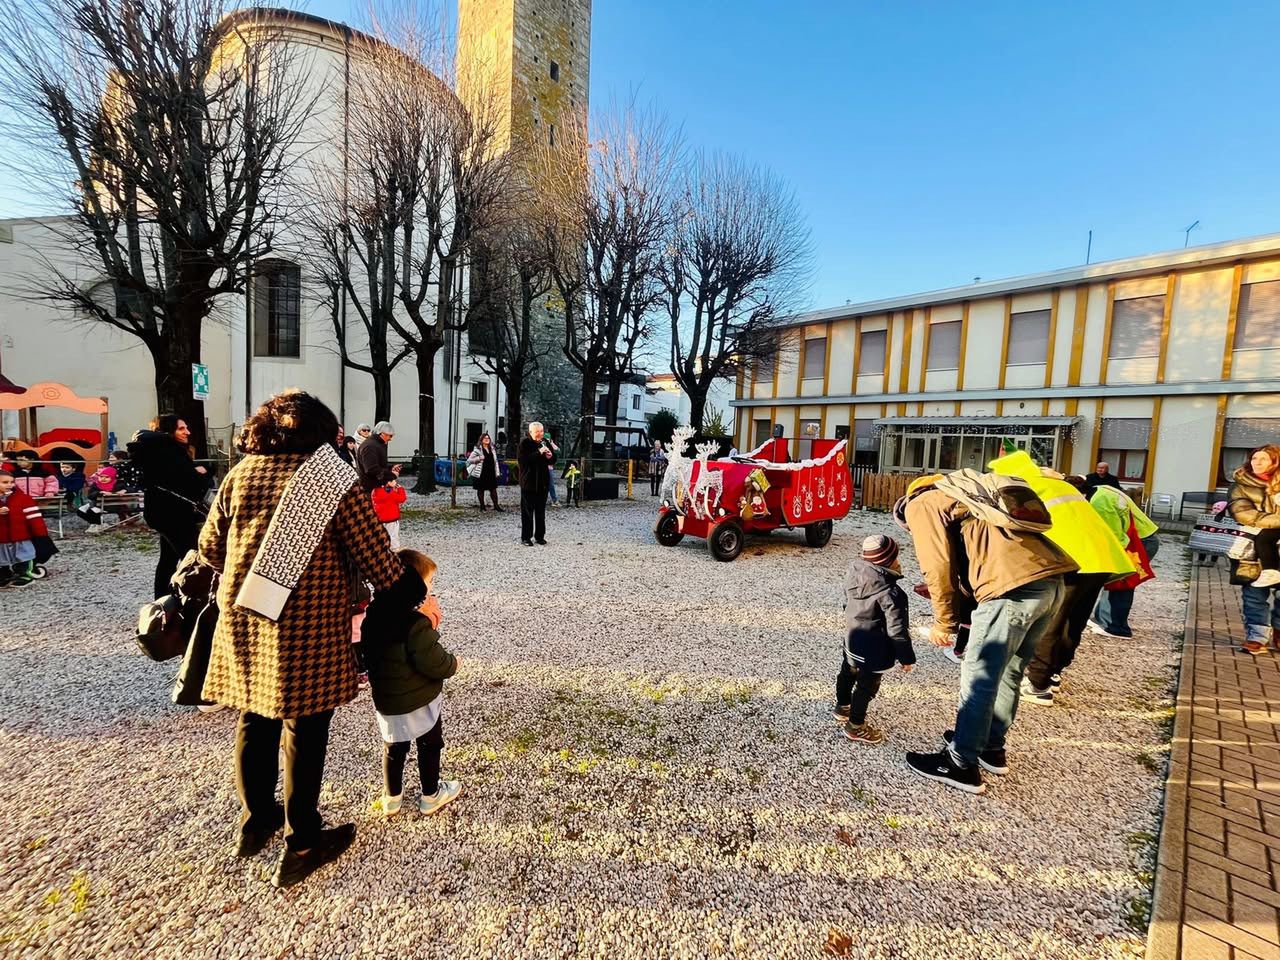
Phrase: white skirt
(402,727)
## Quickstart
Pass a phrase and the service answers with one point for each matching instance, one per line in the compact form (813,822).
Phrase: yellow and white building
(1167,366)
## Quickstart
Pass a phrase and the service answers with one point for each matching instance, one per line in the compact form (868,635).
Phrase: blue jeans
(1261,612)
(1003,637)
(1112,611)
(551,488)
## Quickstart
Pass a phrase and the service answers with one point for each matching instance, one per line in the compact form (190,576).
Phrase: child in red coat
(21,525)
(386,504)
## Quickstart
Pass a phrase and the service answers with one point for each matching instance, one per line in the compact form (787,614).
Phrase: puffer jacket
(955,548)
(1251,503)
(402,652)
(21,520)
(387,500)
(1078,530)
(875,610)
(34,483)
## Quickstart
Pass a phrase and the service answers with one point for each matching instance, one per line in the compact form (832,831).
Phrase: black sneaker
(941,767)
(527,543)
(329,846)
(253,842)
(1055,682)
(992,761)
(541,543)
(841,713)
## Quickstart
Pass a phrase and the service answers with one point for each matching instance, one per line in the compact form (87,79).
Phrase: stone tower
(533,58)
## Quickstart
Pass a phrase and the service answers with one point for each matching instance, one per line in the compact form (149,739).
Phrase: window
(555,72)
(1135,328)
(761,433)
(865,436)
(815,358)
(480,391)
(1123,444)
(277,302)
(1029,337)
(944,346)
(1240,436)
(871,355)
(635,401)
(1258,316)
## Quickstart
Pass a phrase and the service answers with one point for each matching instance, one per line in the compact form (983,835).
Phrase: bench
(53,509)
(126,506)
(1201,500)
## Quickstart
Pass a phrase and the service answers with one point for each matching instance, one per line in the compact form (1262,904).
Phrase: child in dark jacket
(877,635)
(407,666)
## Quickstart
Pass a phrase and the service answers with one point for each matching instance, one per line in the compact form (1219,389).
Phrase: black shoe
(527,543)
(541,543)
(329,846)
(253,842)
(992,761)
(942,768)
(840,712)
(498,510)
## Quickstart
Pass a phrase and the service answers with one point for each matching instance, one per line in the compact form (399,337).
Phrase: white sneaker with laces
(1095,627)
(1031,694)
(391,805)
(950,654)
(447,792)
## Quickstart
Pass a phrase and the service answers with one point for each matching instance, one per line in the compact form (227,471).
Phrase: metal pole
(1088,252)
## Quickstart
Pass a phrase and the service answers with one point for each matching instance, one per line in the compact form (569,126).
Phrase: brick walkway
(1218,880)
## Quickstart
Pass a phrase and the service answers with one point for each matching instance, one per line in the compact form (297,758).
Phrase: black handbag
(161,633)
(189,683)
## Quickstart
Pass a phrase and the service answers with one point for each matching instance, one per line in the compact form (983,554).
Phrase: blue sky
(931,143)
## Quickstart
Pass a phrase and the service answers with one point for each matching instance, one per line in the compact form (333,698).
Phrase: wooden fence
(880,491)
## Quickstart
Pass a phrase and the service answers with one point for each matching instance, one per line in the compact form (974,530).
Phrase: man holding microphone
(534,456)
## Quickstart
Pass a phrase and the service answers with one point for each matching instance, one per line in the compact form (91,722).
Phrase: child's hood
(865,580)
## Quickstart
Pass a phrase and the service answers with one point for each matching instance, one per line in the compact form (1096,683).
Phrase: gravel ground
(650,765)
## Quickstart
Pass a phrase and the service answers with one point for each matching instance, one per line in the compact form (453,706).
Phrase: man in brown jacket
(1016,579)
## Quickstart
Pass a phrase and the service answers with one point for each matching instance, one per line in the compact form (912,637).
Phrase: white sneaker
(211,707)
(1031,694)
(391,805)
(1269,578)
(446,793)
(1095,627)
(950,654)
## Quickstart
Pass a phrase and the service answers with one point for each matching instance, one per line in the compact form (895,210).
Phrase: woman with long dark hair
(1254,500)
(482,467)
(289,527)
(175,487)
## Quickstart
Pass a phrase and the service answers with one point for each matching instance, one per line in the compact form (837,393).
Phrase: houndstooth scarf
(310,499)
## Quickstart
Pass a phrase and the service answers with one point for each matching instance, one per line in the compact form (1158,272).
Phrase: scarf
(310,499)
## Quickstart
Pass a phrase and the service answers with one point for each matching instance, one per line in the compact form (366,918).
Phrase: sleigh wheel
(726,540)
(818,534)
(666,529)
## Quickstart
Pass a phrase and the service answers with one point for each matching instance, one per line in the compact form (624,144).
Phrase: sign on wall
(200,381)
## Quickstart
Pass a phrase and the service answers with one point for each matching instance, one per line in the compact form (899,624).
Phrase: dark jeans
(1057,648)
(493,492)
(573,495)
(430,746)
(655,479)
(533,515)
(257,768)
(174,545)
(856,689)
(1267,544)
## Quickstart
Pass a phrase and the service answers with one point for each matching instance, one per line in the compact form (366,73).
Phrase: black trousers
(493,492)
(655,480)
(1057,648)
(1267,544)
(306,740)
(533,515)
(856,688)
(174,544)
(430,746)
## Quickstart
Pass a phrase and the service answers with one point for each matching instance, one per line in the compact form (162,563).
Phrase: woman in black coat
(174,487)
(482,467)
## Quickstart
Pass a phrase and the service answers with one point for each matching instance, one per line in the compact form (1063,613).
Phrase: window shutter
(1029,337)
(1250,432)
(815,358)
(1135,328)
(1125,433)
(871,357)
(1258,316)
(944,346)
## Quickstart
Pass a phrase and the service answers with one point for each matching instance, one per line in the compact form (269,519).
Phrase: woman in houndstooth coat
(286,676)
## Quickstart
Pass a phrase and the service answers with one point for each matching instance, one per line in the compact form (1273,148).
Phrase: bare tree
(380,350)
(609,203)
(512,278)
(166,127)
(738,258)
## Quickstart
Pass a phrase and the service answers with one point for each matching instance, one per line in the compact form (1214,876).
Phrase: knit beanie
(880,550)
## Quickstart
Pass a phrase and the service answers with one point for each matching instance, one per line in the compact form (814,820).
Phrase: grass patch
(892,822)
(863,796)
(736,694)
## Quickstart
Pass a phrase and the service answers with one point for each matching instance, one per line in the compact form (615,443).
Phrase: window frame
(958,326)
(1243,327)
(480,387)
(883,334)
(269,292)
(1159,329)
(1047,316)
(809,353)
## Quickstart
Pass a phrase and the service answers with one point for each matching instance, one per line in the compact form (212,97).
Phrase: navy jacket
(875,607)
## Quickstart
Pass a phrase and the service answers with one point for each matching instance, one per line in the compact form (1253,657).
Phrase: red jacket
(386,502)
(23,521)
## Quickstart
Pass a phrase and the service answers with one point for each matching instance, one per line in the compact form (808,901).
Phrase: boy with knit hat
(876,635)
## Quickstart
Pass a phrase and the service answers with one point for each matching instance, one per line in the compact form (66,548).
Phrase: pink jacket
(38,486)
